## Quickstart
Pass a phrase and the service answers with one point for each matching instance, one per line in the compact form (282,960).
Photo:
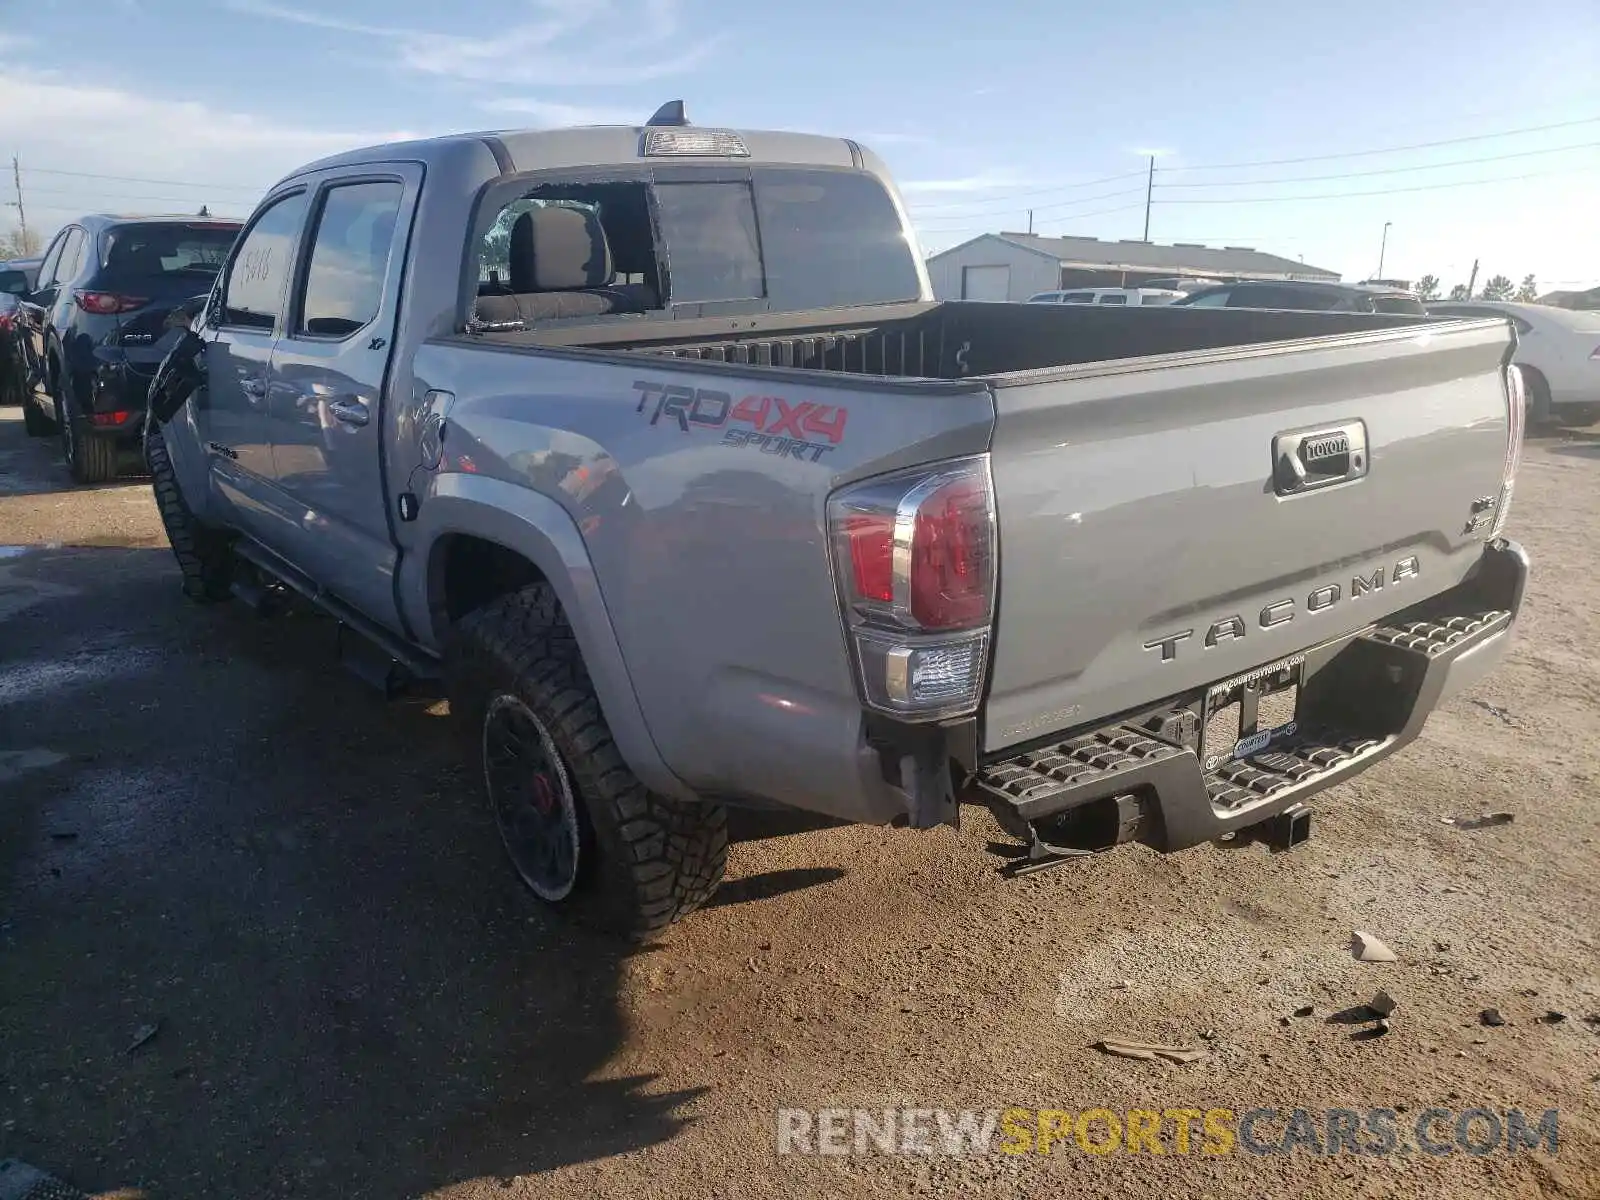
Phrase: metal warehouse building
(1014,266)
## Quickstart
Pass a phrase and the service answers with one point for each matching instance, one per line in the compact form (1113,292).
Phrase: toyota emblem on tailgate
(1306,459)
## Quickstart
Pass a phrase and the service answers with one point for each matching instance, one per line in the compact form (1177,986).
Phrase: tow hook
(1286,830)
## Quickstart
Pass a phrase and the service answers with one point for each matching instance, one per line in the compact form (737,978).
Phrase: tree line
(1496,287)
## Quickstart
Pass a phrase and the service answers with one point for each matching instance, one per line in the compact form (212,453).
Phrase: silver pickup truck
(652,445)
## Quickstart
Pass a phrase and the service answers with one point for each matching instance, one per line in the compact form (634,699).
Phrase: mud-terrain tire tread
(647,860)
(203,554)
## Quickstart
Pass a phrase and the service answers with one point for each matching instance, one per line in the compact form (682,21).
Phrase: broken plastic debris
(1494,710)
(1491,1017)
(1383,1004)
(1485,821)
(1149,1051)
(1369,949)
(143,1035)
(1305,1010)
(1553,1017)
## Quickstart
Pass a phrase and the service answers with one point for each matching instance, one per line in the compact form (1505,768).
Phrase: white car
(1558,350)
(1127,296)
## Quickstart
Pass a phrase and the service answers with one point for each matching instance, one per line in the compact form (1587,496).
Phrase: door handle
(349,410)
(254,388)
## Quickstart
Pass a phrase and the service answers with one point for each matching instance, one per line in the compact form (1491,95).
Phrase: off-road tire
(203,554)
(34,422)
(644,860)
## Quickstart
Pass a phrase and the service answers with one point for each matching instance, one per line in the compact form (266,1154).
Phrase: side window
(1077,297)
(52,259)
(1112,298)
(72,255)
(349,258)
(1217,299)
(253,294)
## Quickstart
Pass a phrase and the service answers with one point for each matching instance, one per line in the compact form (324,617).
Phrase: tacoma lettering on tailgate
(1281,612)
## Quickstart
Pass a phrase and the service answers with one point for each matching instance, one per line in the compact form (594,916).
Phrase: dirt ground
(207,826)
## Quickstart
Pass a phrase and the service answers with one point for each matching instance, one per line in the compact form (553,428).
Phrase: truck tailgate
(1152,542)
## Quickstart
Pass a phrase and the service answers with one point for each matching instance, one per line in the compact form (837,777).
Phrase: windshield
(168,248)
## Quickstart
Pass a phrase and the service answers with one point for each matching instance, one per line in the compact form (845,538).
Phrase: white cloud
(217,157)
(560,43)
(548,114)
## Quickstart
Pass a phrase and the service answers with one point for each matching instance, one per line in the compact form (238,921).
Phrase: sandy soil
(207,826)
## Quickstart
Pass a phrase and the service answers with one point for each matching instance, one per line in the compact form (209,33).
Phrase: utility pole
(22,213)
(1383,246)
(1030,222)
(1473,279)
(1149,188)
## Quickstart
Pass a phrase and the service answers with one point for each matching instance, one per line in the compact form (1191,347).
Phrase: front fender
(542,532)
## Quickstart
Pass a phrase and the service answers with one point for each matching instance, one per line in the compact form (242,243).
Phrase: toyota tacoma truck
(652,446)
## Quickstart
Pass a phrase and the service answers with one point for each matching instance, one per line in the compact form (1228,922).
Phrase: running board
(383,660)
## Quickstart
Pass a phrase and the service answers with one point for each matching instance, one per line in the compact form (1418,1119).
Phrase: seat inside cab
(553,257)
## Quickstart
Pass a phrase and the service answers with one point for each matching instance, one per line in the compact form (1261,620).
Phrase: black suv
(96,320)
(1307,295)
(14,283)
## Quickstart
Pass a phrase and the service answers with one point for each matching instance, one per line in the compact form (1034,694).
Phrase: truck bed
(956,339)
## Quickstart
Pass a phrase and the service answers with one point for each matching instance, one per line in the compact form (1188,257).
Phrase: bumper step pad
(1093,760)
(1121,758)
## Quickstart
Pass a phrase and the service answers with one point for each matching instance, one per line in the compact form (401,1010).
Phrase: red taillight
(5,320)
(110,418)
(914,554)
(950,569)
(871,540)
(105,304)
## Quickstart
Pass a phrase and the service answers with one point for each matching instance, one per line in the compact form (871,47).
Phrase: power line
(976,222)
(1427,187)
(968,218)
(1459,162)
(115,195)
(223,187)
(1476,137)
(1035,192)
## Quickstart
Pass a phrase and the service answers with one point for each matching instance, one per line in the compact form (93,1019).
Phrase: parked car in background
(1307,296)
(1131,297)
(96,323)
(1182,283)
(13,364)
(1558,350)
(28,266)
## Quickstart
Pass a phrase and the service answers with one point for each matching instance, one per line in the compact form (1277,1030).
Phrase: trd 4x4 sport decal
(775,426)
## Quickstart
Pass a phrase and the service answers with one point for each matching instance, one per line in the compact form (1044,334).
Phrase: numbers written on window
(253,296)
(349,258)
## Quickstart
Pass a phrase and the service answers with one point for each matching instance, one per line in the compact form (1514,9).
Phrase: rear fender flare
(541,531)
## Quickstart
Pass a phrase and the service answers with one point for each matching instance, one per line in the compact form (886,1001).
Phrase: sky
(1470,127)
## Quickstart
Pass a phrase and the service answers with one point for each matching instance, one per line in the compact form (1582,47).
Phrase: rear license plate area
(1245,715)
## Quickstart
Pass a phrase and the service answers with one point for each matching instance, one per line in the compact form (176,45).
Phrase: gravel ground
(206,826)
